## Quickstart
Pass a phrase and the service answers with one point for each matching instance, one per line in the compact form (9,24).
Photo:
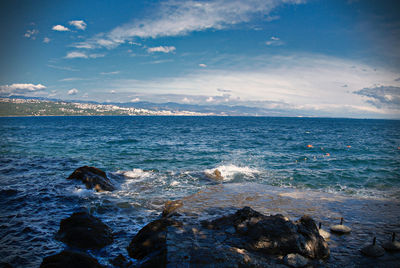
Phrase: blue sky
(330,58)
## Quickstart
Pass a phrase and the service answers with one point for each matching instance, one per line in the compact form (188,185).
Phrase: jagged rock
(295,260)
(93,178)
(85,231)
(275,234)
(149,244)
(68,259)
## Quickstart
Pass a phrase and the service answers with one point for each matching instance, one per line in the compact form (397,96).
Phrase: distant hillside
(42,107)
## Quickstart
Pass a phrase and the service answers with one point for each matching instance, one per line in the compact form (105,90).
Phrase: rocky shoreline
(218,227)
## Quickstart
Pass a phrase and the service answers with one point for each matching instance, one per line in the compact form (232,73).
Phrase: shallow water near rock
(265,162)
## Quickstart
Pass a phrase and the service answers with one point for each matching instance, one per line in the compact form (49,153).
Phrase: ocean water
(154,159)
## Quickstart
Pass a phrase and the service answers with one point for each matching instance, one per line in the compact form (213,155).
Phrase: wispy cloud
(79,24)
(179,17)
(202,65)
(73,91)
(274,41)
(110,73)
(65,68)
(163,49)
(60,28)
(31,34)
(46,40)
(21,88)
(82,55)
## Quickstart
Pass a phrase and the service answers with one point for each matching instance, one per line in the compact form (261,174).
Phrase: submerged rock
(93,178)
(150,242)
(275,234)
(85,231)
(68,259)
(170,207)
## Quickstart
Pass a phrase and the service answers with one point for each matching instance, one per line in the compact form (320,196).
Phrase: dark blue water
(153,159)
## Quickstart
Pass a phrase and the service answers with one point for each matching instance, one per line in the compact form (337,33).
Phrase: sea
(152,159)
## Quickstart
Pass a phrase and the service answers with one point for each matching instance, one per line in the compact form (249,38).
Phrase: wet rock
(120,261)
(5,265)
(170,207)
(149,244)
(295,260)
(68,259)
(373,250)
(340,228)
(216,175)
(392,245)
(85,231)
(274,234)
(93,178)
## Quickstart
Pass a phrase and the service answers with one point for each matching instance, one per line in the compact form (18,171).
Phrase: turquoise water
(153,159)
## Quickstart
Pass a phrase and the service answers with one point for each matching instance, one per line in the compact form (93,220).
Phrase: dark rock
(85,231)
(93,178)
(149,244)
(120,261)
(295,260)
(5,265)
(68,259)
(275,234)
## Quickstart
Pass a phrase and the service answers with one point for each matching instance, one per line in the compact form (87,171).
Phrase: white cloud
(85,95)
(113,91)
(46,40)
(135,100)
(180,17)
(186,100)
(21,88)
(110,73)
(31,34)
(280,79)
(202,65)
(60,28)
(163,49)
(73,91)
(76,54)
(79,24)
(274,41)
(210,99)
(82,55)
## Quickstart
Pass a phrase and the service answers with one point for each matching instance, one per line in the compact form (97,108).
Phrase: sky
(318,57)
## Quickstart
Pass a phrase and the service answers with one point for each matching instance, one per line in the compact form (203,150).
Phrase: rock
(392,245)
(93,178)
(216,175)
(150,242)
(68,259)
(120,261)
(295,260)
(85,231)
(373,251)
(274,234)
(170,207)
(340,228)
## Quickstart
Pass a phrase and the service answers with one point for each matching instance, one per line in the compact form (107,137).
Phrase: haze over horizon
(323,58)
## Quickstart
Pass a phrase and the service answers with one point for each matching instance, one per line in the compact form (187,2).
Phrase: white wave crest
(229,172)
(135,173)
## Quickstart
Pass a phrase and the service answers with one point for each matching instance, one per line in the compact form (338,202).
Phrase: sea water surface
(154,159)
